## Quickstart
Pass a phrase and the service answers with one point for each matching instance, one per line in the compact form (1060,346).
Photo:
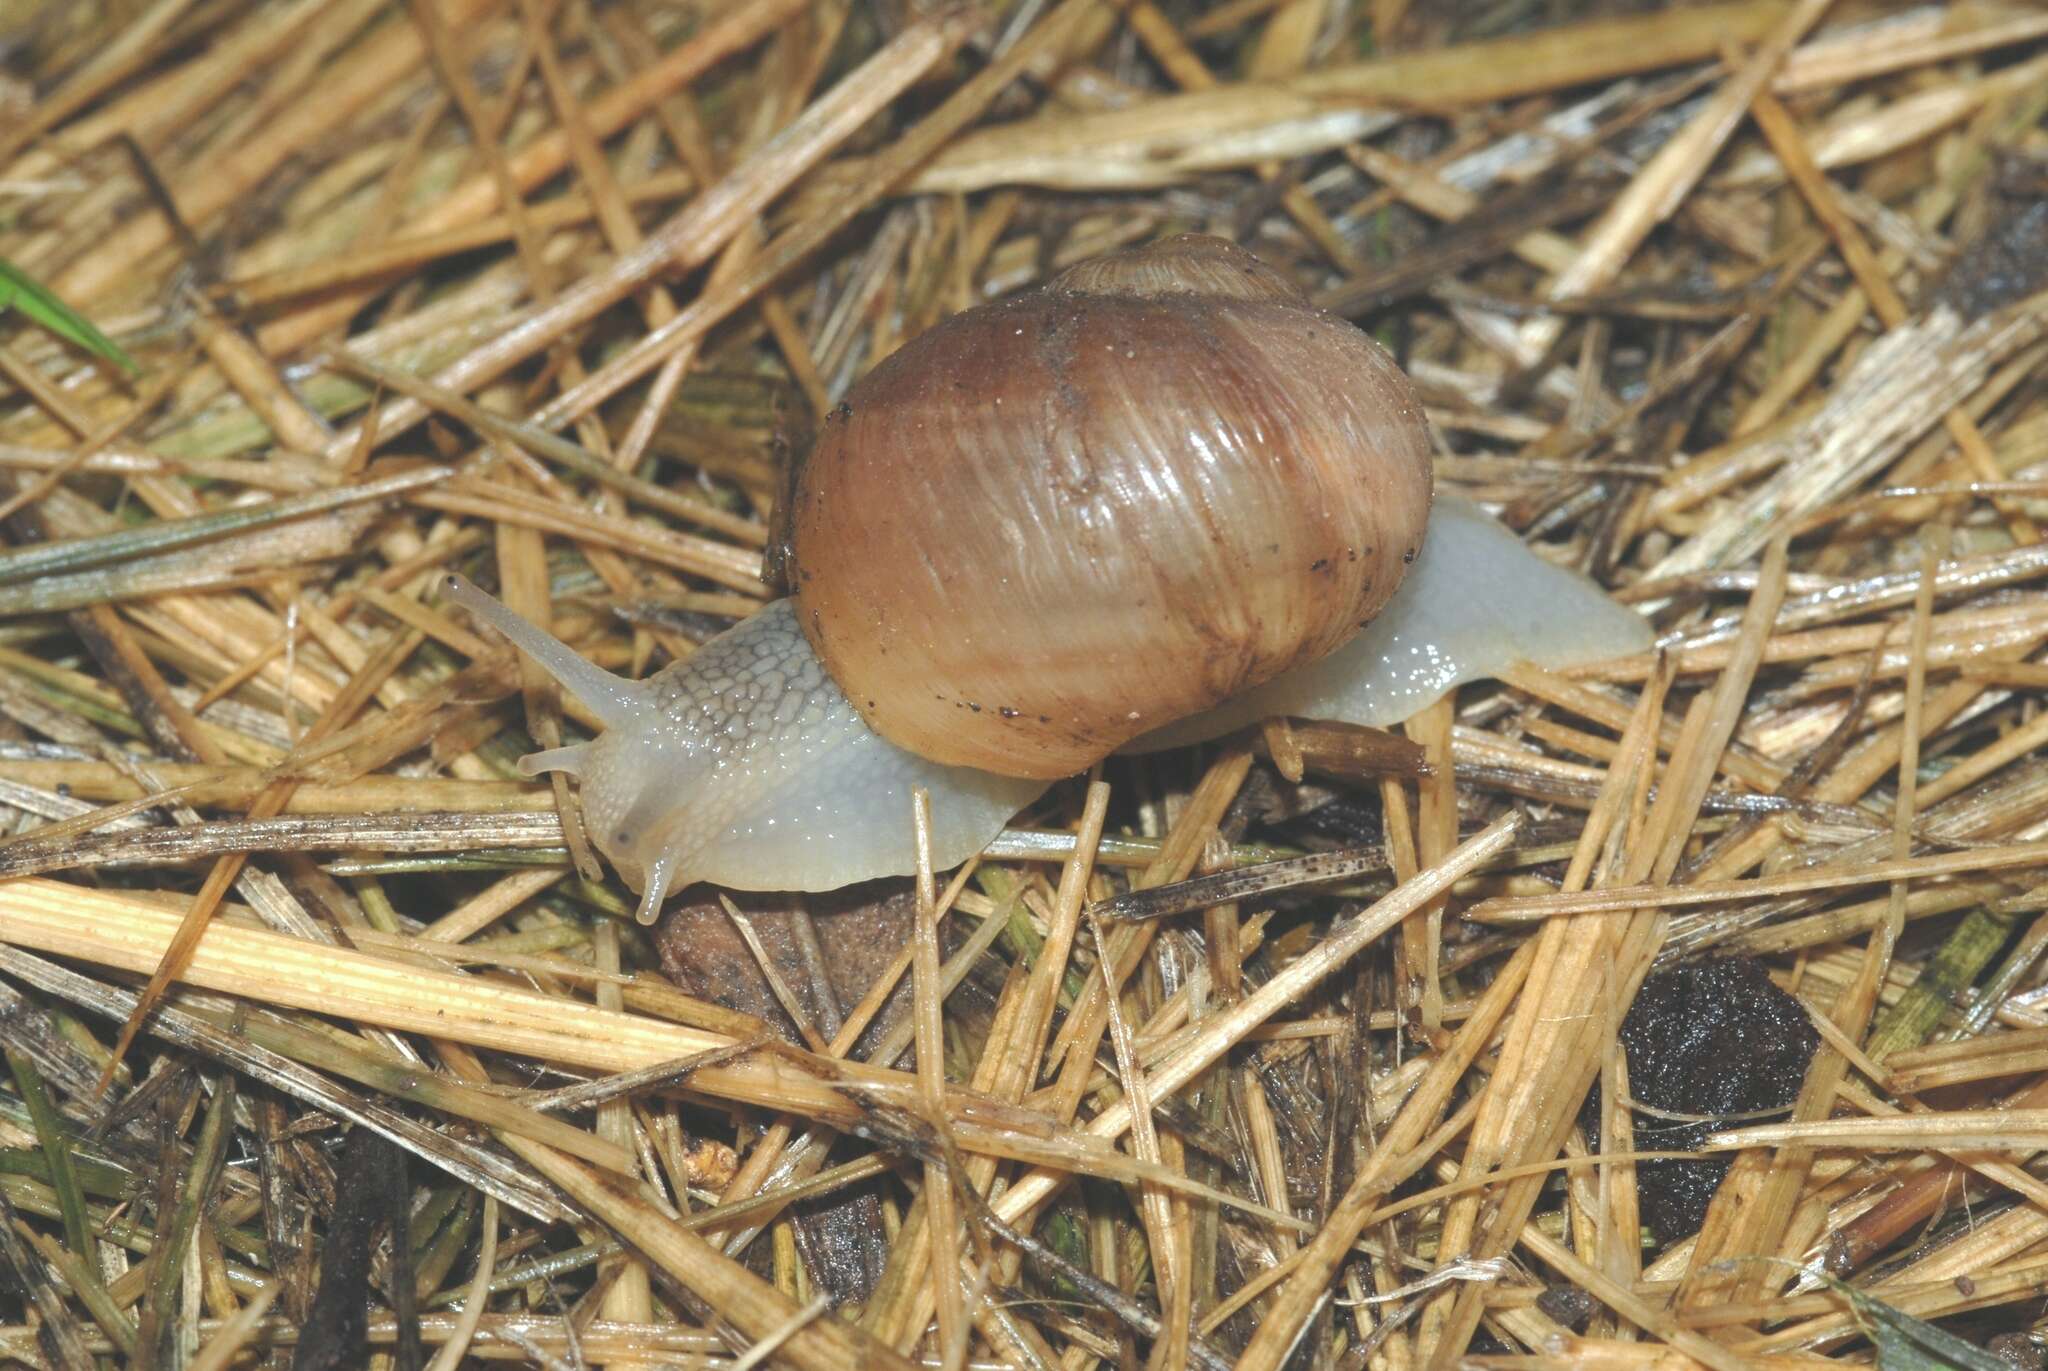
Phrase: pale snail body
(1000,622)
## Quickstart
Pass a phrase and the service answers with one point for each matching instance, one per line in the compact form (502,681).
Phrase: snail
(1155,499)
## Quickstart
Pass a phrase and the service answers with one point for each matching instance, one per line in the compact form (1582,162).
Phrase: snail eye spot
(624,837)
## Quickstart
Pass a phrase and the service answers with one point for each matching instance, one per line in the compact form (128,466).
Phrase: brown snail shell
(1050,524)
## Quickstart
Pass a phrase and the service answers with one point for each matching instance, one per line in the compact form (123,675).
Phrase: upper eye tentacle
(613,699)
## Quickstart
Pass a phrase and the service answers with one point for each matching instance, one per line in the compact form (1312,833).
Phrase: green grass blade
(56,1151)
(1905,1343)
(18,290)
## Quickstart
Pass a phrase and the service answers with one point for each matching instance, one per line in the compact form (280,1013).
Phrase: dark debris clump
(2007,260)
(1707,1038)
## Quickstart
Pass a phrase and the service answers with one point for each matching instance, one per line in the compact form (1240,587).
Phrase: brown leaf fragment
(858,933)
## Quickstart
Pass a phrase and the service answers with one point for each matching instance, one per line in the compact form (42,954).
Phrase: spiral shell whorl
(1056,522)
(1191,264)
